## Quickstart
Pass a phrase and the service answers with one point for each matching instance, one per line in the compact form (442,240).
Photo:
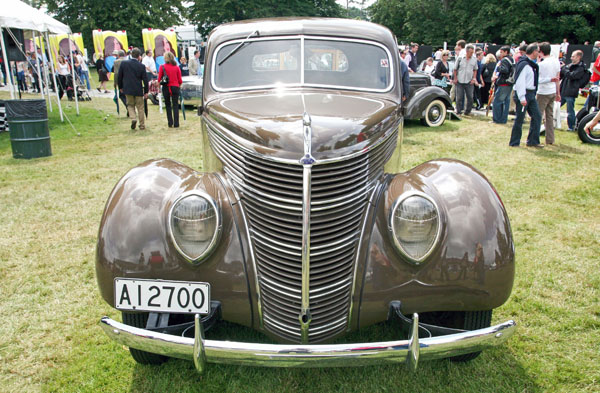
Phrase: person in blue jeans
(504,88)
(571,78)
(526,84)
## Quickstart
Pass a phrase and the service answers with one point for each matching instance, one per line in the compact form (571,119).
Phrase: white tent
(14,14)
(18,15)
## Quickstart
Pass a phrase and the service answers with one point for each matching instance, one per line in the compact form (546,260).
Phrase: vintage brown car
(295,227)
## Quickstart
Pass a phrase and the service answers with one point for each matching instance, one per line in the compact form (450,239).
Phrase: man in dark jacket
(571,78)
(502,95)
(120,54)
(132,75)
(404,75)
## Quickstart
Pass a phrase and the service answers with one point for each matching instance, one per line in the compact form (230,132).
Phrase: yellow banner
(64,45)
(159,42)
(105,43)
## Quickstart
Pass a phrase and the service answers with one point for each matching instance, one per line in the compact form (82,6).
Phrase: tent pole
(46,69)
(39,71)
(54,78)
(73,72)
(6,67)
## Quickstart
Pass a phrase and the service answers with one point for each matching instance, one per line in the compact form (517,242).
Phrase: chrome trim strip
(218,228)
(307,162)
(295,355)
(302,38)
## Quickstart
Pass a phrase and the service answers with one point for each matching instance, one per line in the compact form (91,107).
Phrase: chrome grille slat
(271,194)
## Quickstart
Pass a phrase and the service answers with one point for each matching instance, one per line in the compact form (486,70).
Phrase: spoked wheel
(465,320)
(139,320)
(593,136)
(435,114)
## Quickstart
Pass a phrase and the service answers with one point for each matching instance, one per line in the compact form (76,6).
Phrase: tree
(208,14)
(130,15)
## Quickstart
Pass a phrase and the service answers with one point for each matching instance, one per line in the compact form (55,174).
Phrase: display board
(63,45)
(106,42)
(159,42)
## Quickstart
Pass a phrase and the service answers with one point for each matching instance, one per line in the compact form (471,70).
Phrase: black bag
(164,81)
(585,79)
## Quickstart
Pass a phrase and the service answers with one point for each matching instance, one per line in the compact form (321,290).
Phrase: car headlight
(194,225)
(416,226)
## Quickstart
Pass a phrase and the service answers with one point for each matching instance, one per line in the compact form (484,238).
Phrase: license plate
(180,297)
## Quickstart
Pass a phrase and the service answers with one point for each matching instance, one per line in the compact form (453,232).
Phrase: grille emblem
(307,161)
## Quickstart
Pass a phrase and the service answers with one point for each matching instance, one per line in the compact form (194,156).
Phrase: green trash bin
(28,124)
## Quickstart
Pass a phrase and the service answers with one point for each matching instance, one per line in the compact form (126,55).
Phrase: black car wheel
(139,320)
(583,112)
(435,114)
(465,320)
(594,135)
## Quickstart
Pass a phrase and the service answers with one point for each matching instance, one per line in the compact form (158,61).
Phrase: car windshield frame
(301,38)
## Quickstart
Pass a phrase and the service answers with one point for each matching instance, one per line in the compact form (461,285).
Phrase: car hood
(271,124)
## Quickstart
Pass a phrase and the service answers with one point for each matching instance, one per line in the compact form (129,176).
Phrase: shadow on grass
(415,126)
(495,370)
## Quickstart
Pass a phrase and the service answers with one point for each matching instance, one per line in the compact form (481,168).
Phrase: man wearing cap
(133,82)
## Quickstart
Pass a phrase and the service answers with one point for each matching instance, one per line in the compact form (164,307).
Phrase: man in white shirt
(564,47)
(548,89)
(526,84)
(465,76)
(150,64)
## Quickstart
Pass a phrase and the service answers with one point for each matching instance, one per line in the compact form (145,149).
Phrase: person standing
(479,84)
(102,73)
(564,47)
(150,64)
(442,70)
(571,76)
(120,55)
(63,78)
(183,66)
(133,82)
(412,62)
(84,71)
(525,88)
(194,64)
(171,89)
(489,65)
(465,75)
(548,89)
(595,51)
(404,75)
(501,103)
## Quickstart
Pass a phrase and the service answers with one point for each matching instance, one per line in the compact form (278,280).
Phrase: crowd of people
(529,76)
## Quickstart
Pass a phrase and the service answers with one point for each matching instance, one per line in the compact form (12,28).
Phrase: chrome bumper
(408,351)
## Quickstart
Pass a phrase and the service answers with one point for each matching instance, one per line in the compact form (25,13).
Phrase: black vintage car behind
(428,103)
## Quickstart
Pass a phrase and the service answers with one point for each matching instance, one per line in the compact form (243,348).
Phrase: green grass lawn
(51,208)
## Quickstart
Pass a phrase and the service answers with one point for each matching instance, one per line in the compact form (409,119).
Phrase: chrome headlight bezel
(216,234)
(398,245)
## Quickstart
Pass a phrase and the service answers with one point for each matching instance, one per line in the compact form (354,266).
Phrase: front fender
(471,268)
(415,107)
(133,240)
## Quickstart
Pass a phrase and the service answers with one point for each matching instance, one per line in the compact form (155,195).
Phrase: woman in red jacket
(170,91)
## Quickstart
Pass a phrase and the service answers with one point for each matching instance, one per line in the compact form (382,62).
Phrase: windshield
(299,61)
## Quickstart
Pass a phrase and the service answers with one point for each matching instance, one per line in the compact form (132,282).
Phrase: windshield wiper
(255,32)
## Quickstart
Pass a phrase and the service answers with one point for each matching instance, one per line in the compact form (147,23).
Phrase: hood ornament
(308,159)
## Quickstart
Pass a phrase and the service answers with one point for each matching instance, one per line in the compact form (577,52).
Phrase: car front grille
(271,194)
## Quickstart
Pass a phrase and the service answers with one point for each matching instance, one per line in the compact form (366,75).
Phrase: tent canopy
(18,15)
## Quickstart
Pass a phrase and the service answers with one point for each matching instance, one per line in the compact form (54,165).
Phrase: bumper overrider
(409,351)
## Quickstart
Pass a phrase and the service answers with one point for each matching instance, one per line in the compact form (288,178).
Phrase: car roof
(344,28)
